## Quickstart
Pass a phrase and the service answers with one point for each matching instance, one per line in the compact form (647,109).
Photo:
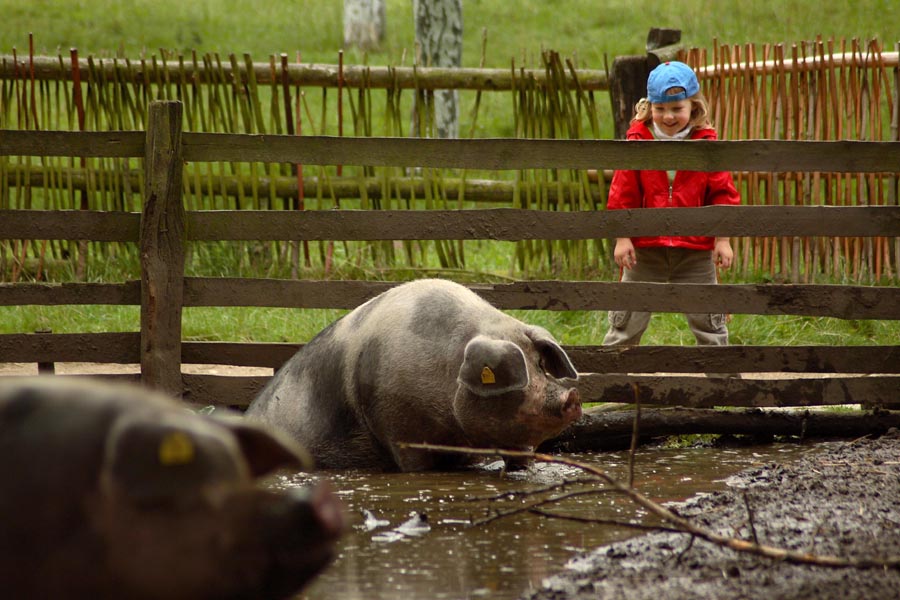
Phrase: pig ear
(492,367)
(266,450)
(556,361)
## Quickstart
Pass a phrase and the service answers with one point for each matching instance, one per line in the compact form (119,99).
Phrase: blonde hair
(699,111)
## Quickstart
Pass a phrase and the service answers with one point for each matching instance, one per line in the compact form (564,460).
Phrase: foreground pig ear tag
(176,448)
(487,376)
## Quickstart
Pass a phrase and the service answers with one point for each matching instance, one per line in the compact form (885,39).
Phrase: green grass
(588,28)
(575,328)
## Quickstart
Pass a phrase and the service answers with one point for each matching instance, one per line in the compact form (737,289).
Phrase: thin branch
(500,514)
(596,521)
(750,518)
(635,433)
(687,549)
(534,492)
(680,523)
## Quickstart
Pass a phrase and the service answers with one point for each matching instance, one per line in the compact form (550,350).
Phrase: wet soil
(843,501)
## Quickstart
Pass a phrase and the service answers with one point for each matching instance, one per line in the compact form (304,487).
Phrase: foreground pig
(113,492)
(427,361)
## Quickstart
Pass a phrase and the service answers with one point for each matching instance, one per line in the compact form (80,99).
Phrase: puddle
(411,536)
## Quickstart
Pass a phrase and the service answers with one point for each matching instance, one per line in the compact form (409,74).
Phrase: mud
(842,501)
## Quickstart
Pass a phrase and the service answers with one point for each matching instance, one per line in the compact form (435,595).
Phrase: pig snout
(301,531)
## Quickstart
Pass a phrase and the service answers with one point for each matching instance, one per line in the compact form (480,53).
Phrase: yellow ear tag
(487,376)
(176,448)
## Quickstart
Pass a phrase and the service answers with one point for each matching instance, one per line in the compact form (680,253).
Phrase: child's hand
(723,255)
(624,253)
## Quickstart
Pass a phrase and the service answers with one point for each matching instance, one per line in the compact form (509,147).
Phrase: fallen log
(604,429)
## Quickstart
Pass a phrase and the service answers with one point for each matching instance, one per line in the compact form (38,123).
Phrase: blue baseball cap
(669,75)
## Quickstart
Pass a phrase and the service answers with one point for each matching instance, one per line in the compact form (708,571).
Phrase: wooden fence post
(45,368)
(162,245)
(628,76)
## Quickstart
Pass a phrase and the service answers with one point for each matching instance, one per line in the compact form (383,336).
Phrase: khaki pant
(668,265)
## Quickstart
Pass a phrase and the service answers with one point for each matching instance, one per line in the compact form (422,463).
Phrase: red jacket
(650,189)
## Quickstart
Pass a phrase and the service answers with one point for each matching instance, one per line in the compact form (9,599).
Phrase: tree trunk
(611,430)
(439,28)
(364,22)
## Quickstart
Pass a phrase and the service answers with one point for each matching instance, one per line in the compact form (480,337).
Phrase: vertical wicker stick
(855,93)
(796,133)
(778,131)
(81,264)
(757,86)
(895,136)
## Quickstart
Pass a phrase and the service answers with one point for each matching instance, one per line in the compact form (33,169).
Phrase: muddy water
(411,535)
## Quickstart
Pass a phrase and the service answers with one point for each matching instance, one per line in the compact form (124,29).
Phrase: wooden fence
(665,375)
(812,90)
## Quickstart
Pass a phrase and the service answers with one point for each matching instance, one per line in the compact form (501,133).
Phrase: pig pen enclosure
(663,375)
(819,210)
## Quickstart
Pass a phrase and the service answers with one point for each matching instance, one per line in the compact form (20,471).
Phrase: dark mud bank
(843,501)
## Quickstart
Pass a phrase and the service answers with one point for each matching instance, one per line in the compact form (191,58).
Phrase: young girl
(673,110)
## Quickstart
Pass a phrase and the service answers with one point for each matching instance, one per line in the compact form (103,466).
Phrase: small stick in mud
(677,522)
(750,522)
(635,433)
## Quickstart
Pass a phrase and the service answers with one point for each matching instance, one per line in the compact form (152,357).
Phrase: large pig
(427,361)
(109,491)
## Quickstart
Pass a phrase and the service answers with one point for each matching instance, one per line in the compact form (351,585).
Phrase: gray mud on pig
(427,361)
(109,491)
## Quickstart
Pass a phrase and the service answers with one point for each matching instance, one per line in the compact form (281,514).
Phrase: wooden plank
(775,156)
(162,251)
(92,225)
(694,392)
(840,301)
(844,302)
(114,144)
(495,224)
(516,224)
(245,354)
(115,348)
(50,294)
(486,154)
(123,348)
(708,392)
(735,359)
(627,359)
(280,293)
(222,390)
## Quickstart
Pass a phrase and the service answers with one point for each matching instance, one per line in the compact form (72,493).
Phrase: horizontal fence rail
(687,391)
(123,348)
(508,224)
(843,302)
(773,156)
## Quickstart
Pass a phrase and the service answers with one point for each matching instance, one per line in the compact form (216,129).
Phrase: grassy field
(589,29)
(592,32)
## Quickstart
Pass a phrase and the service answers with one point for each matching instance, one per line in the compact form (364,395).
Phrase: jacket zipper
(668,239)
